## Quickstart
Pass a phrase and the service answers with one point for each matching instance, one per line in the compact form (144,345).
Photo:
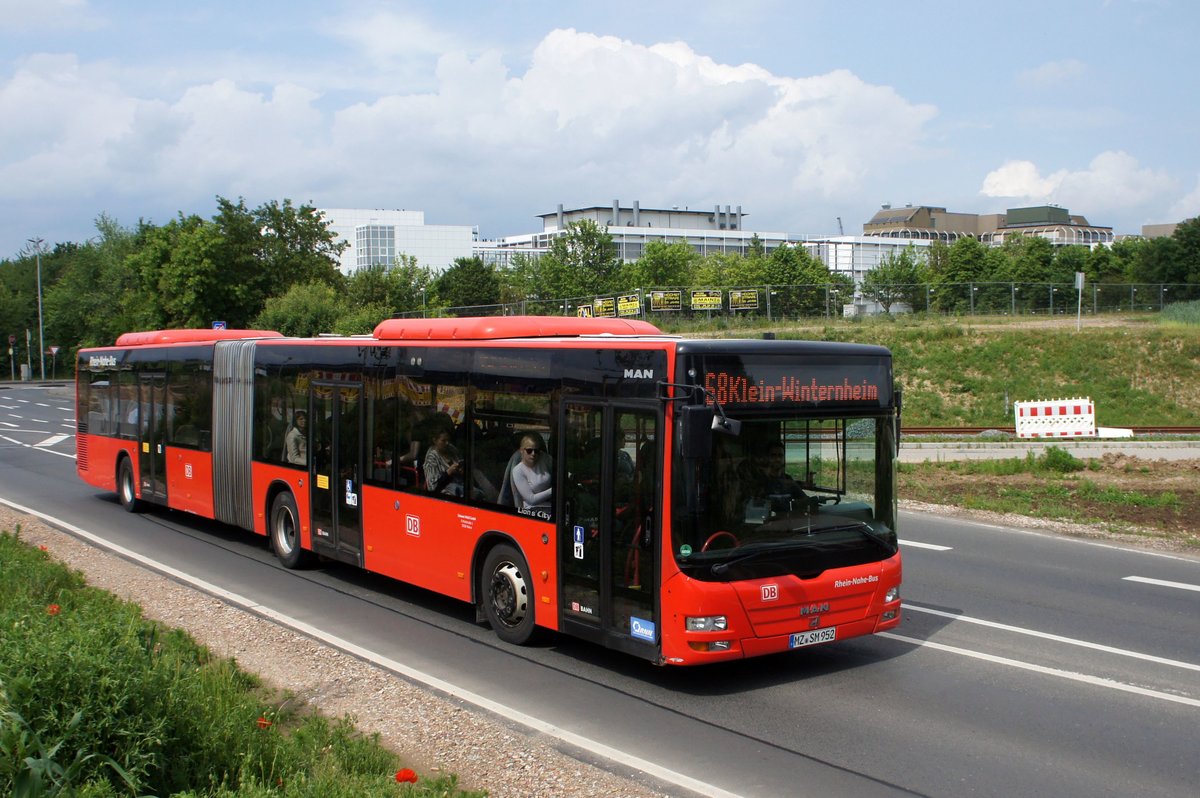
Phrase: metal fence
(781,302)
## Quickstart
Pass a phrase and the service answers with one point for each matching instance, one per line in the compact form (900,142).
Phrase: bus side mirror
(695,429)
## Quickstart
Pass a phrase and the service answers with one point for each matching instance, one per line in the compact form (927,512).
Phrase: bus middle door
(151,426)
(335,425)
(607,524)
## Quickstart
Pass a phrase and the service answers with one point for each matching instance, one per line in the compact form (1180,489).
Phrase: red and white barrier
(1056,418)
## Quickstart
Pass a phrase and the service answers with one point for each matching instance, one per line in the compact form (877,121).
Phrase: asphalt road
(1026,665)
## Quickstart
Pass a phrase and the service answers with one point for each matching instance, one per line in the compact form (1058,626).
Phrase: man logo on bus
(639,374)
(770,592)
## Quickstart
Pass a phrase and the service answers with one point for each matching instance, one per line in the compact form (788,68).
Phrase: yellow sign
(606,307)
(743,299)
(707,300)
(666,300)
(323,481)
(629,305)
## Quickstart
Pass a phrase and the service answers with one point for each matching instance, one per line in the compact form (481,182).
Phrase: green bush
(1059,460)
(97,701)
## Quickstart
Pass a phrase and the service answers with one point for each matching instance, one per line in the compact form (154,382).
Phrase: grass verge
(1153,500)
(96,701)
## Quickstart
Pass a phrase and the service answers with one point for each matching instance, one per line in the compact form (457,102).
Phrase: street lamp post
(37,248)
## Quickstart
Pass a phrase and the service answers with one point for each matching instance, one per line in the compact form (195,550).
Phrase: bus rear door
(608,523)
(335,444)
(152,456)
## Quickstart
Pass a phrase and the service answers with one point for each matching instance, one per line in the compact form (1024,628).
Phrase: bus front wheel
(127,488)
(285,532)
(507,595)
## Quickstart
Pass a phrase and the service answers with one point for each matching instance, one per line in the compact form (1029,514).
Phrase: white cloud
(659,119)
(1053,74)
(1112,182)
(1188,206)
(590,118)
(37,15)
(387,37)
(1019,179)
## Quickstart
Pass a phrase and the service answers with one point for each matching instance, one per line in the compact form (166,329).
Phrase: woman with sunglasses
(532,482)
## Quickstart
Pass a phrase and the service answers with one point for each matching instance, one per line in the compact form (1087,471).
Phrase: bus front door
(335,442)
(607,525)
(151,426)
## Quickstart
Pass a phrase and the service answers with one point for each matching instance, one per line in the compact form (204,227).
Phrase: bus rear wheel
(127,488)
(506,594)
(285,532)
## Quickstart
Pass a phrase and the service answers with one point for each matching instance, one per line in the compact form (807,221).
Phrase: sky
(803,112)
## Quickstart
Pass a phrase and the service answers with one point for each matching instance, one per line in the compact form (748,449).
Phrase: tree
(951,281)
(582,262)
(800,283)
(402,287)
(468,283)
(717,270)
(1187,236)
(662,265)
(97,297)
(899,277)
(305,310)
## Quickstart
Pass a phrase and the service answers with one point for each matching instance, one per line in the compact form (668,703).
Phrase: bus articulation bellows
(685,501)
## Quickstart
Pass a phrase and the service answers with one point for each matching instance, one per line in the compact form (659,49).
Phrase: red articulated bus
(685,501)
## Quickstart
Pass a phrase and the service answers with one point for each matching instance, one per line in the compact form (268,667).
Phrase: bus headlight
(893,594)
(706,623)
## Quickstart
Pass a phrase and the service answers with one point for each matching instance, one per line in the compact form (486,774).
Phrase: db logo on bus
(770,592)
(412,525)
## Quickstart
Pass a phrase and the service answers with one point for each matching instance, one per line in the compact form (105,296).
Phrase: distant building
(1056,225)
(1159,230)
(379,236)
(633,227)
(854,256)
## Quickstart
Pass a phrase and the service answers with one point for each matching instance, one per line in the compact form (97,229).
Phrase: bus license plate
(801,639)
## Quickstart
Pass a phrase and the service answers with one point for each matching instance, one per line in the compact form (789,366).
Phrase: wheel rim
(510,602)
(285,531)
(127,485)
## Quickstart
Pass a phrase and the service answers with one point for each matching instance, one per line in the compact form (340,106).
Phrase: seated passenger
(532,481)
(765,481)
(443,466)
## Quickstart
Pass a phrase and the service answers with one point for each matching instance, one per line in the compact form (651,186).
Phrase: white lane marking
(536,724)
(14,415)
(1095,681)
(39,421)
(1051,537)
(53,439)
(41,404)
(8,424)
(1161,583)
(36,449)
(932,546)
(1056,638)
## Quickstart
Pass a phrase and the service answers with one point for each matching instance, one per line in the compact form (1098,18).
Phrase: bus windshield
(788,495)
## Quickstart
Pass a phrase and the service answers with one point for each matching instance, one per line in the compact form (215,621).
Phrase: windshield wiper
(812,540)
(764,549)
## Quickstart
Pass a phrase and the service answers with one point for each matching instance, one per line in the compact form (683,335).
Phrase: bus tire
(127,487)
(507,594)
(285,532)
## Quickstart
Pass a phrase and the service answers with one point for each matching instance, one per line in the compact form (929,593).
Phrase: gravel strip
(432,733)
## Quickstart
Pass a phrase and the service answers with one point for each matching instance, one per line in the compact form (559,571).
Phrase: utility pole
(37,248)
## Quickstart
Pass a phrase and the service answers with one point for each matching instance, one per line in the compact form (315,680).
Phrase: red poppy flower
(406,775)
(43,548)
(54,609)
(263,723)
